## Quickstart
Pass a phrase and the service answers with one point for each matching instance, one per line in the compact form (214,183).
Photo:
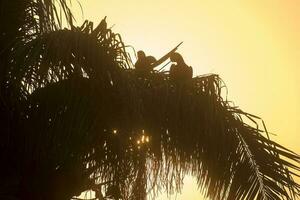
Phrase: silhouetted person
(143,64)
(180,71)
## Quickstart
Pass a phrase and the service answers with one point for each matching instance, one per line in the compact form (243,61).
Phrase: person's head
(141,55)
(176,57)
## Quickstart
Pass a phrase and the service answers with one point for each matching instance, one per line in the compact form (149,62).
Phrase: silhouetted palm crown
(74,112)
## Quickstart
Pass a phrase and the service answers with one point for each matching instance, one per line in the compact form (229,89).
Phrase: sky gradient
(253,45)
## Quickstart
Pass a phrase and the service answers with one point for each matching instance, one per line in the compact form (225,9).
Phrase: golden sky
(254,45)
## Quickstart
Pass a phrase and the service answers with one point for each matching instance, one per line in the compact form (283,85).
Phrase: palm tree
(75,116)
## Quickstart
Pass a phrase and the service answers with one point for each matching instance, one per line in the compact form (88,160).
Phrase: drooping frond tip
(194,130)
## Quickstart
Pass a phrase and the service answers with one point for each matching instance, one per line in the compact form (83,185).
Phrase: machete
(165,57)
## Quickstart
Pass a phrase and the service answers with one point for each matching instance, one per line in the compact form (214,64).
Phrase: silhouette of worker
(143,63)
(180,71)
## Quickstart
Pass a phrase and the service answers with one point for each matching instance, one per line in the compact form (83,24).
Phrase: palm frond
(190,129)
(57,55)
(23,20)
(200,133)
(81,102)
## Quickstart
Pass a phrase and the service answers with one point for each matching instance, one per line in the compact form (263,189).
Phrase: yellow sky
(254,45)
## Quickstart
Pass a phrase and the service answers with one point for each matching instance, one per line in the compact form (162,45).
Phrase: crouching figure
(179,72)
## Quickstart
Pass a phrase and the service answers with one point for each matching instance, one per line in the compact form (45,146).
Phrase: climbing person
(143,63)
(179,71)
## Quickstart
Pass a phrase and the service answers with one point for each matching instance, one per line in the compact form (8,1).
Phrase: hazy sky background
(253,45)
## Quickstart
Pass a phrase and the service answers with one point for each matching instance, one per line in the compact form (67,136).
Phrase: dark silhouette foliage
(76,116)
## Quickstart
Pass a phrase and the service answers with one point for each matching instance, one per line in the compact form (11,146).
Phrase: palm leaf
(80,102)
